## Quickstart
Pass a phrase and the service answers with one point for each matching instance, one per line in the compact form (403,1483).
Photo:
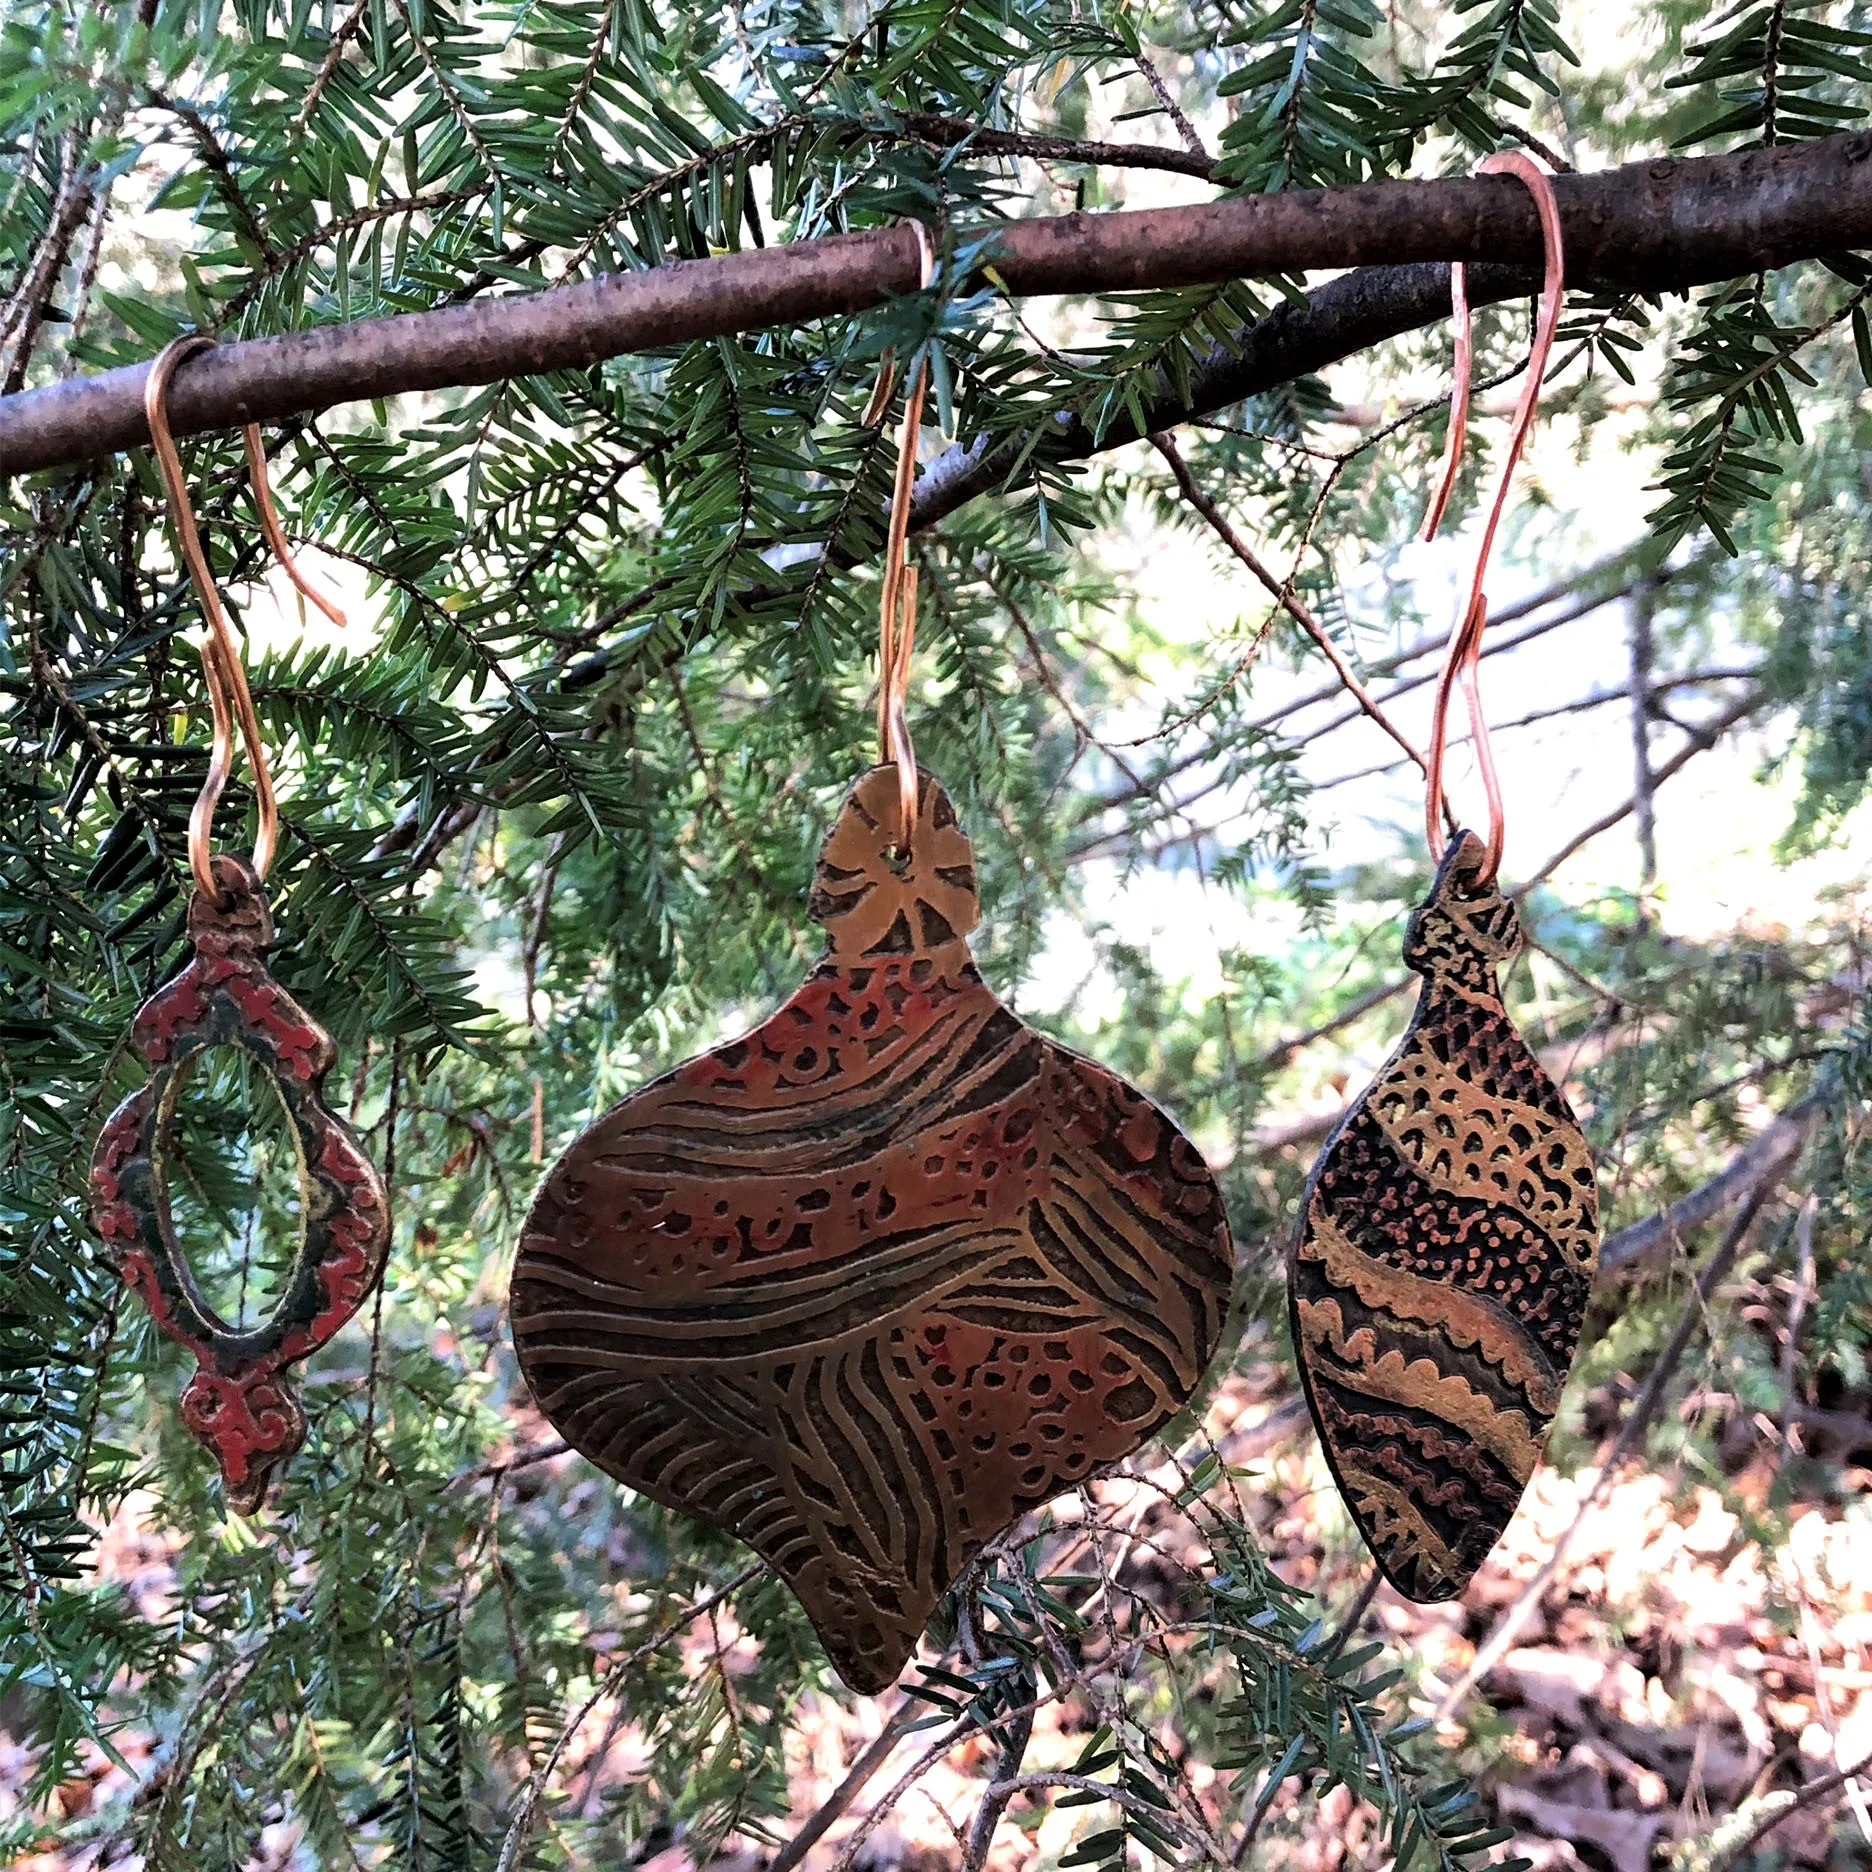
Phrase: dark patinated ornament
(1446,1249)
(240,1402)
(868,1284)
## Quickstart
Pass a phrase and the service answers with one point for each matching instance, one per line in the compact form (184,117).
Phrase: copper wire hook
(897,599)
(1462,662)
(229,699)
(879,406)
(897,618)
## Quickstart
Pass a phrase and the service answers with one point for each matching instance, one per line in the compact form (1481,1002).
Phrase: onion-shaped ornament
(871,1282)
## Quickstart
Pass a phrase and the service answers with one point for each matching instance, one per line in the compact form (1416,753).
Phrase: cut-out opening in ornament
(230,1176)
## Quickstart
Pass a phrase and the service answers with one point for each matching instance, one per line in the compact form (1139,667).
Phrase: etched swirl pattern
(1444,1258)
(868,1284)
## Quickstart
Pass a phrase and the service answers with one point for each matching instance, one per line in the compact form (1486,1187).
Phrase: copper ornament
(1446,1250)
(240,1402)
(870,1283)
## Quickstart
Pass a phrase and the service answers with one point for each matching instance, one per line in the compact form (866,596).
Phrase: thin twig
(334,51)
(870,1759)
(28,306)
(506,1466)
(526,1804)
(1283,594)
(1035,649)
(1579,705)
(1001,1790)
(949,132)
(457,105)
(1768,1157)
(1385,666)
(1172,109)
(1703,737)
(1801,1799)
(79,312)
(219,165)
(1644,784)
(1355,1617)
(1282,1051)
(1797,1312)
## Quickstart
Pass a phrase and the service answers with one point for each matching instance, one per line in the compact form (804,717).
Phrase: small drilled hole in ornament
(230,1178)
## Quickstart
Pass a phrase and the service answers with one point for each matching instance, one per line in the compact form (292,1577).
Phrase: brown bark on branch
(902,1720)
(1282,594)
(953,132)
(1646,227)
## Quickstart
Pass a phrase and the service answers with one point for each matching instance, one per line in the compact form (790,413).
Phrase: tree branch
(1786,1810)
(902,1720)
(1646,227)
(1703,737)
(1583,606)
(1282,1052)
(954,132)
(1000,1792)
(27,307)
(1282,594)
(1766,1160)
(1579,705)
(525,1809)
(1644,786)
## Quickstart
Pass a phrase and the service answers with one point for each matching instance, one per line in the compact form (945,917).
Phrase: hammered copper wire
(897,596)
(1461,663)
(897,617)
(230,701)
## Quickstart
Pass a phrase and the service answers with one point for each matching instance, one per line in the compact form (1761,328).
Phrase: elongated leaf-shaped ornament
(1446,1249)
(869,1283)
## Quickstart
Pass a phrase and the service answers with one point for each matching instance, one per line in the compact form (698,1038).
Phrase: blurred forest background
(550,805)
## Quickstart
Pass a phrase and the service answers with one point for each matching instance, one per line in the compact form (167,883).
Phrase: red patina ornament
(240,1402)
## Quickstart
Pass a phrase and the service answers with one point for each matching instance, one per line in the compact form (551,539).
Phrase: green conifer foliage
(549,812)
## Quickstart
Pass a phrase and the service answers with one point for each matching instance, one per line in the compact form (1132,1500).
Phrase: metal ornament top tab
(868,1284)
(240,1402)
(1446,1249)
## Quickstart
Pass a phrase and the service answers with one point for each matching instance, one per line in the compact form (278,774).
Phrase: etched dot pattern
(1443,1262)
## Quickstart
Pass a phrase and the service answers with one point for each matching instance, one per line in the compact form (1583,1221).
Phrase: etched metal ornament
(240,1402)
(1446,1249)
(868,1284)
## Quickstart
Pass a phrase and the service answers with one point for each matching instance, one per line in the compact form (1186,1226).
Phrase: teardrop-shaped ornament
(241,1402)
(1446,1249)
(868,1284)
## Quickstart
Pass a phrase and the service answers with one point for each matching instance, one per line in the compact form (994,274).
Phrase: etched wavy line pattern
(868,1284)
(1445,1254)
